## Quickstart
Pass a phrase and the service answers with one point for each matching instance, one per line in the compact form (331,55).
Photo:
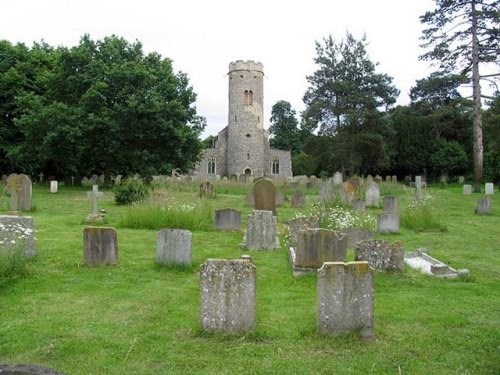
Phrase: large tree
(463,35)
(284,127)
(345,86)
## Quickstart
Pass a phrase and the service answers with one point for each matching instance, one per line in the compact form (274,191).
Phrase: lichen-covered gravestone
(100,246)
(207,190)
(388,221)
(227,294)
(262,233)
(345,298)
(483,206)
(174,246)
(372,195)
(381,255)
(17,232)
(227,219)
(264,195)
(300,223)
(355,235)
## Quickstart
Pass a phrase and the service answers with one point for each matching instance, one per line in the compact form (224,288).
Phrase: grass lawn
(138,318)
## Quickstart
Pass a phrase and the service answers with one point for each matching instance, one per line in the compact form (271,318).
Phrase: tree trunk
(476,88)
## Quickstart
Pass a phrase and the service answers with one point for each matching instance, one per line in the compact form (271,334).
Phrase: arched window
(248,97)
(276,166)
(211,166)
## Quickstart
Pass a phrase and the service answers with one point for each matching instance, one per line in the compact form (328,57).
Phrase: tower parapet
(246,65)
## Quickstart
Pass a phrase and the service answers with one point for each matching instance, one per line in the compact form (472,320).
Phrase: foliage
(130,191)
(422,215)
(449,157)
(284,128)
(303,164)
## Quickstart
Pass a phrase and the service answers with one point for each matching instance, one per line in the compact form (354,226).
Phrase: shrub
(132,190)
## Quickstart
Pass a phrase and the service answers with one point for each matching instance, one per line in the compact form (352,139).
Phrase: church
(241,150)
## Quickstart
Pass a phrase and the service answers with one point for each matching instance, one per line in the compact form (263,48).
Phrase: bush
(132,190)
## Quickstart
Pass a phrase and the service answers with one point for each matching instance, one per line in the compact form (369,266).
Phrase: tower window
(248,135)
(276,166)
(248,97)
(248,156)
(211,166)
(235,118)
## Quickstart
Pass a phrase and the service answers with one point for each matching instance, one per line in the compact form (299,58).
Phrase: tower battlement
(246,65)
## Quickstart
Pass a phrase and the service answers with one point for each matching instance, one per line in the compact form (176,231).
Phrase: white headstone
(53,186)
(489,188)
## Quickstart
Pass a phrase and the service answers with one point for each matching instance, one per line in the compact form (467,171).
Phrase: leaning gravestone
(262,231)
(298,199)
(227,294)
(227,219)
(53,186)
(174,246)
(264,195)
(300,223)
(345,298)
(317,246)
(100,246)
(17,232)
(467,189)
(483,206)
(381,255)
(372,195)
(489,188)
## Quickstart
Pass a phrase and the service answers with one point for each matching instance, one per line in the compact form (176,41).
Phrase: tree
(345,85)
(284,127)
(462,35)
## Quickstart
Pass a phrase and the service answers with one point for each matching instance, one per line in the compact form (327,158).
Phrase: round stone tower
(246,135)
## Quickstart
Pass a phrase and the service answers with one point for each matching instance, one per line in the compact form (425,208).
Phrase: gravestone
(17,231)
(461,179)
(25,193)
(100,246)
(387,223)
(443,179)
(228,295)
(84,181)
(227,219)
(418,187)
(95,194)
(249,201)
(483,206)
(348,191)
(381,255)
(359,205)
(489,188)
(387,178)
(394,179)
(298,199)
(262,231)
(174,246)
(369,179)
(337,179)
(13,187)
(345,298)
(207,190)
(94,179)
(467,189)
(233,178)
(354,235)
(53,186)
(293,185)
(378,179)
(316,246)
(326,191)
(279,199)
(300,223)
(372,195)
(390,204)
(264,195)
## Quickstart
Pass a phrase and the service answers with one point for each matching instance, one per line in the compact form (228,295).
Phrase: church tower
(247,139)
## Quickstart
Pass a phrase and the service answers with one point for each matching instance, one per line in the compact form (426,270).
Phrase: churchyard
(141,314)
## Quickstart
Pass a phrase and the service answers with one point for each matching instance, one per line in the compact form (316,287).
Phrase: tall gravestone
(372,195)
(53,186)
(345,298)
(418,187)
(26,192)
(13,187)
(262,233)
(264,195)
(100,246)
(227,294)
(355,235)
(380,254)
(316,246)
(388,221)
(228,219)
(326,191)
(174,246)
(249,201)
(298,199)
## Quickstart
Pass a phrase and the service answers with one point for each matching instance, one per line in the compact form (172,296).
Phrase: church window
(276,166)
(211,166)
(248,97)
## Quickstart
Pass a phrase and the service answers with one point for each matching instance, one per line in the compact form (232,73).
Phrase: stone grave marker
(381,255)
(207,190)
(174,246)
(300,223)
(26,192)
(369,179)
(227,219)
(354,235)
(418,187)
(345,298)
(298,199)
(387,178)
(337,179)
(84,181)
(293,185)
(95,194)
(100,246)
(233,178)
(228,295)
(359,205)
(326,191)
(279,199)
(264,195)
(94,179)
(467,189)
(249,201)
(13,187)
(483,206)
(17,231)
(461,179)
(53,186)
(390,204)
(262,233)
(489,188)
(387,222)
(394,179)
(372,195)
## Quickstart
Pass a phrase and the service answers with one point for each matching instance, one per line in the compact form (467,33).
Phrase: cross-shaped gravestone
(41,177)
(94,194)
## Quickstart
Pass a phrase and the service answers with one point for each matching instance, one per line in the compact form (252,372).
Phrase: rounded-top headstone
(264,194)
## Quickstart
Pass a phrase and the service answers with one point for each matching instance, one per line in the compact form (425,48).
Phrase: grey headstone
(489,188)
(233,178)
(390,204)
(174,246)
(262,231)
(17,231)
(300,223)
(227,293)
(387,223)
(394,179)
(461,179)
(227,219)
(483,206)
(467,189)
(418,187)
(100,246)
(264,195)
(293,185)
(207,190)
(381,255)
(345,298)
(94,179)
(359,205)
(337,178)
(372,195)
(53,186)
(369,179)
(279,199)
(298,199)
(249,201)
(316,246)
(326,191)
(84,181)
(387,178)
(354,235)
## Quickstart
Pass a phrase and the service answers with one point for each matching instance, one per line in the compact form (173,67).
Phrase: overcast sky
(203,36)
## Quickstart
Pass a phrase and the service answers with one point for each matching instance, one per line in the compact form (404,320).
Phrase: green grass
(139,318)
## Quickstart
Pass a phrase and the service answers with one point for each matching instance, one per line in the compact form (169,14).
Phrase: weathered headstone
(94,179)
(95,194)
(345,298)
(298,199)
(300,223)
(174,246)
(418,187)
(13,187)
(337,179)
(228,295)
(369,179)
(390,204)
(461,179)
(372,195)
(249,201)
(326,191)
(207,190)
(316,246)
(227,219)
(262,231)
(264,195)
(53,186)
(387,178)
(279,199)
(387,223)
(100,246)
(354,235)
(233,178)
(17,231)
(84,181)
(489,188)
(348,191)
(381,255)
(293,185)
(467,189)
(483,206)
(359,205)
(26,192)
(394,179)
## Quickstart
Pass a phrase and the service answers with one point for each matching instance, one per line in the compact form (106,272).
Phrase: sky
(203,36)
